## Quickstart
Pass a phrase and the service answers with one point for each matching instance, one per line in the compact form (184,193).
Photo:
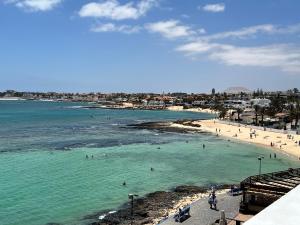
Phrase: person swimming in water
(124,183)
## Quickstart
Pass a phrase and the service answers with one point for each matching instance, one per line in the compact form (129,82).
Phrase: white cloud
(220,7)
(244,32)
(35,5)
(111,27)
(170,29)
(284,56)
(112,9)
(185,16)
(253,30)
(201,31)
(199,47)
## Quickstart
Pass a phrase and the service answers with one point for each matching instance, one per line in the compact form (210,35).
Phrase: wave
(101,217)
(75,107)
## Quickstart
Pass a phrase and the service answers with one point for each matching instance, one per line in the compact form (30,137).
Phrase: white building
(262,102)
(236,104)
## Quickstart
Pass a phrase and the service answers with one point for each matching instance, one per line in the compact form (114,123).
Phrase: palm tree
(256,108)
(294,111)
(222,113)
(262,113)
(297,113)
(276,106)
(239,111)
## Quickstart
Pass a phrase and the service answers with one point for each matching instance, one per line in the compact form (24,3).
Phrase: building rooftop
(281,212)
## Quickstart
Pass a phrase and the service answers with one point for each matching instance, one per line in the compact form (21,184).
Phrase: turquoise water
(45,176)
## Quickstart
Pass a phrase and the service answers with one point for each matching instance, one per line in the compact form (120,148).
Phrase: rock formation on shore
(152,206)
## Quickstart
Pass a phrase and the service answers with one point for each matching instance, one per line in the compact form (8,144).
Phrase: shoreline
(281,143)
(237,132)
(155,207)
(169,108)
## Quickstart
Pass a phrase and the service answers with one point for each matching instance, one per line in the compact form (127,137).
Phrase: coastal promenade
(201,214)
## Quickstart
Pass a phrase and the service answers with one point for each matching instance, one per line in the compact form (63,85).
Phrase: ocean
(46,177)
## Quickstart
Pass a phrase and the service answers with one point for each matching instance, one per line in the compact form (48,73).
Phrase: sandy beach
(288,144)
(201,110)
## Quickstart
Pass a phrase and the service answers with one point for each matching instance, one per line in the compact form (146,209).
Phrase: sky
(149,45)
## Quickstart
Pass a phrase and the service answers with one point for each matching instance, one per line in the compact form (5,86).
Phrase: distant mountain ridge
(236,90)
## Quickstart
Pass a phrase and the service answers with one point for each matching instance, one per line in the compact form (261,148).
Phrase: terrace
(262,190)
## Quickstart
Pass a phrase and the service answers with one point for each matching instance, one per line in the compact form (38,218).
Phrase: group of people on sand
(289,136)
(253,134)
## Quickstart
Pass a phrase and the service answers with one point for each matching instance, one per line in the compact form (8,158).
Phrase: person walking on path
(212,200)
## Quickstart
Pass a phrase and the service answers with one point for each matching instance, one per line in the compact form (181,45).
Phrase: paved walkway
(201,214)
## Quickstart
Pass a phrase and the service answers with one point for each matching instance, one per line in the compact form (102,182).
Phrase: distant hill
(236,90)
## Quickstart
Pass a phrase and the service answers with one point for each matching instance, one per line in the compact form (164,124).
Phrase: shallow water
(45,176)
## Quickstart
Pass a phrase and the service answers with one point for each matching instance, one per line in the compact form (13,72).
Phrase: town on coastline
(276,109)
(268,117)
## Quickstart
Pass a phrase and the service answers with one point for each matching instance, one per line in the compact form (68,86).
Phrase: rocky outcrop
(152,206)
(167,126)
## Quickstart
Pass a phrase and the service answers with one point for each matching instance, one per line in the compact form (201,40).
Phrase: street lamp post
(131,197)
(260,159)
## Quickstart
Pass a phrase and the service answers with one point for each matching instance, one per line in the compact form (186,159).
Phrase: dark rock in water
(53,224)
(166,126)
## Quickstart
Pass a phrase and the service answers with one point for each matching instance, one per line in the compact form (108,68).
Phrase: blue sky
(149,45)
